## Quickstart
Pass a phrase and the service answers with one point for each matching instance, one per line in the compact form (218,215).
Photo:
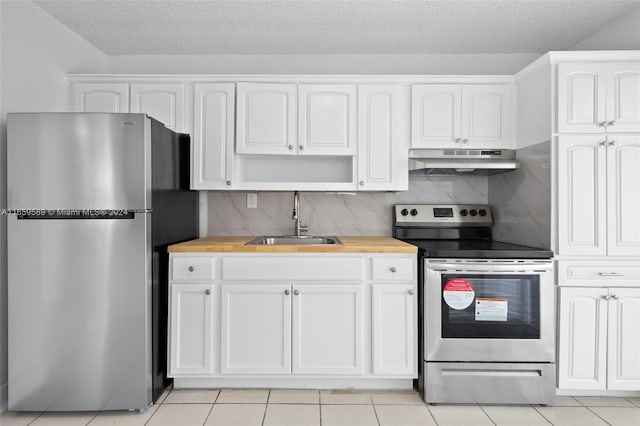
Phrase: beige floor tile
(17,418)
(180,414)
(513,415)
(619,416)
(192,396)
(603,401)
(348,415)
(243,396)
(460,415)
(565,401)
(397,398)
(570,416)
(404,415)
(292,415)
(294,396)
(122,418)
(64,418)
(236,415)
(634,399)
(345,397)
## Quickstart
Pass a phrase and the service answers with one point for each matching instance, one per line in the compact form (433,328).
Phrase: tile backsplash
(363,213)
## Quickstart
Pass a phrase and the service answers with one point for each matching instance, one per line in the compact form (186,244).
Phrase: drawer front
(393,269)
(192,268)
(599,273)
(292,269)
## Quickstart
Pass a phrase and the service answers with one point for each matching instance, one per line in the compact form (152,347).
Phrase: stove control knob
(482,212)
(473,212)
(404,212)
(414,212)
(464,212)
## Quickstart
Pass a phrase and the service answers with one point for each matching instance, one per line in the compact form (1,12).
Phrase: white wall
(322,64)
(621,34)
(36,53)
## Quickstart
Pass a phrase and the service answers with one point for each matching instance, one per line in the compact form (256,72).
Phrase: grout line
(36,418)
(208,415)
(597,415)
(431,413)
(375,412)
(485,413)
(266,405)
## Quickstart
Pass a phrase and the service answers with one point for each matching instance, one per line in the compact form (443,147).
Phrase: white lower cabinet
(395,338)
(255,329)
(191,328)
(599,342)
(280,317)
(327,329)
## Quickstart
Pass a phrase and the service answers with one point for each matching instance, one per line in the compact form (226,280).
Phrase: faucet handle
(304,228)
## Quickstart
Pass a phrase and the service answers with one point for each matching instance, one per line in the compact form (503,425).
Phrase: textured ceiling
(119,27)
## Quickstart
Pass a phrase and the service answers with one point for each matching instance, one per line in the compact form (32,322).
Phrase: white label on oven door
(491,309)
(458,293)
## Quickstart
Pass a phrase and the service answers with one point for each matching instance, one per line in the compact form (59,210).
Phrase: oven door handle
(485,269)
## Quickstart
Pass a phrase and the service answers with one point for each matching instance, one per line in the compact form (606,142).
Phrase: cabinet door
(624,339)
(582,199)
(486,116)
(101,97)
(623,195)
(394,330)
(582,352)
(255,329)
(436,115)
(327,119)
(213,135)
(191,329)
(383,139)
(266,118)
(162,101)
(327,329)
(581,97)
(623,98)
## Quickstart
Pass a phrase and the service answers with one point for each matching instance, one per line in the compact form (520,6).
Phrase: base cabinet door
(255,329)
(624,339)
(191,329)
(582,362)
(394,333)
(327,329)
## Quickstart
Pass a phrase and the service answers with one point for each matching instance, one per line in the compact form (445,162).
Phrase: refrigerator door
(79,317)
(78,161)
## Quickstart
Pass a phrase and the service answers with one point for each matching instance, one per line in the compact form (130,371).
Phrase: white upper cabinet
(327,119)
(383,137)
(594,97)
(101,97)
(213,135)
(598,197)
(461,116)
(486,114)
(162,101)
(266,118)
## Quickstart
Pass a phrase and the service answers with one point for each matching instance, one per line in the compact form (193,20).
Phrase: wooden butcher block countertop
(349,245)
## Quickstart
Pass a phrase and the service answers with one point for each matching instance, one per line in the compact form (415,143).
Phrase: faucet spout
(299,228)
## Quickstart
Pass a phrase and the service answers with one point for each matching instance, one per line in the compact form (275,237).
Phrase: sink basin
(292,240)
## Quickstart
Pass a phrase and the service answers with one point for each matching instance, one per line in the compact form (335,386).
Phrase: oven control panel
(442,214)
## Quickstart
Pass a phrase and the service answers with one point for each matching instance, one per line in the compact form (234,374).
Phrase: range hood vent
(482,162)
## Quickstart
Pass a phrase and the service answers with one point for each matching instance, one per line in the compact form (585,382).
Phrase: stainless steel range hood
(462,161)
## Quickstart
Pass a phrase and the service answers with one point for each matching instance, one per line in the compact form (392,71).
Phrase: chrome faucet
(299,228)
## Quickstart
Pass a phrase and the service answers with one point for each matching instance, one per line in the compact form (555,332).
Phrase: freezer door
(79,314)
(78,161)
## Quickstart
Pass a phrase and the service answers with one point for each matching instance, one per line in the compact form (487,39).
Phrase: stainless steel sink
(292,240)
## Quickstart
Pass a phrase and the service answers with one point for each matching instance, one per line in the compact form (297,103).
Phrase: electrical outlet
(252,200)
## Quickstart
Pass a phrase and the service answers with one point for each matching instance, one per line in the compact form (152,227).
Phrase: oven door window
(490,306)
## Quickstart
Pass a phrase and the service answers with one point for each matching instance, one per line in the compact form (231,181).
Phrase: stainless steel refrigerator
(94,200)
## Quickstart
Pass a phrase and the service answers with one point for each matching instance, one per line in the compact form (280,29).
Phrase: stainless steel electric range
(488,317)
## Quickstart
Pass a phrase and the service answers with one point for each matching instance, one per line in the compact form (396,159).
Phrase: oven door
(489,310)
